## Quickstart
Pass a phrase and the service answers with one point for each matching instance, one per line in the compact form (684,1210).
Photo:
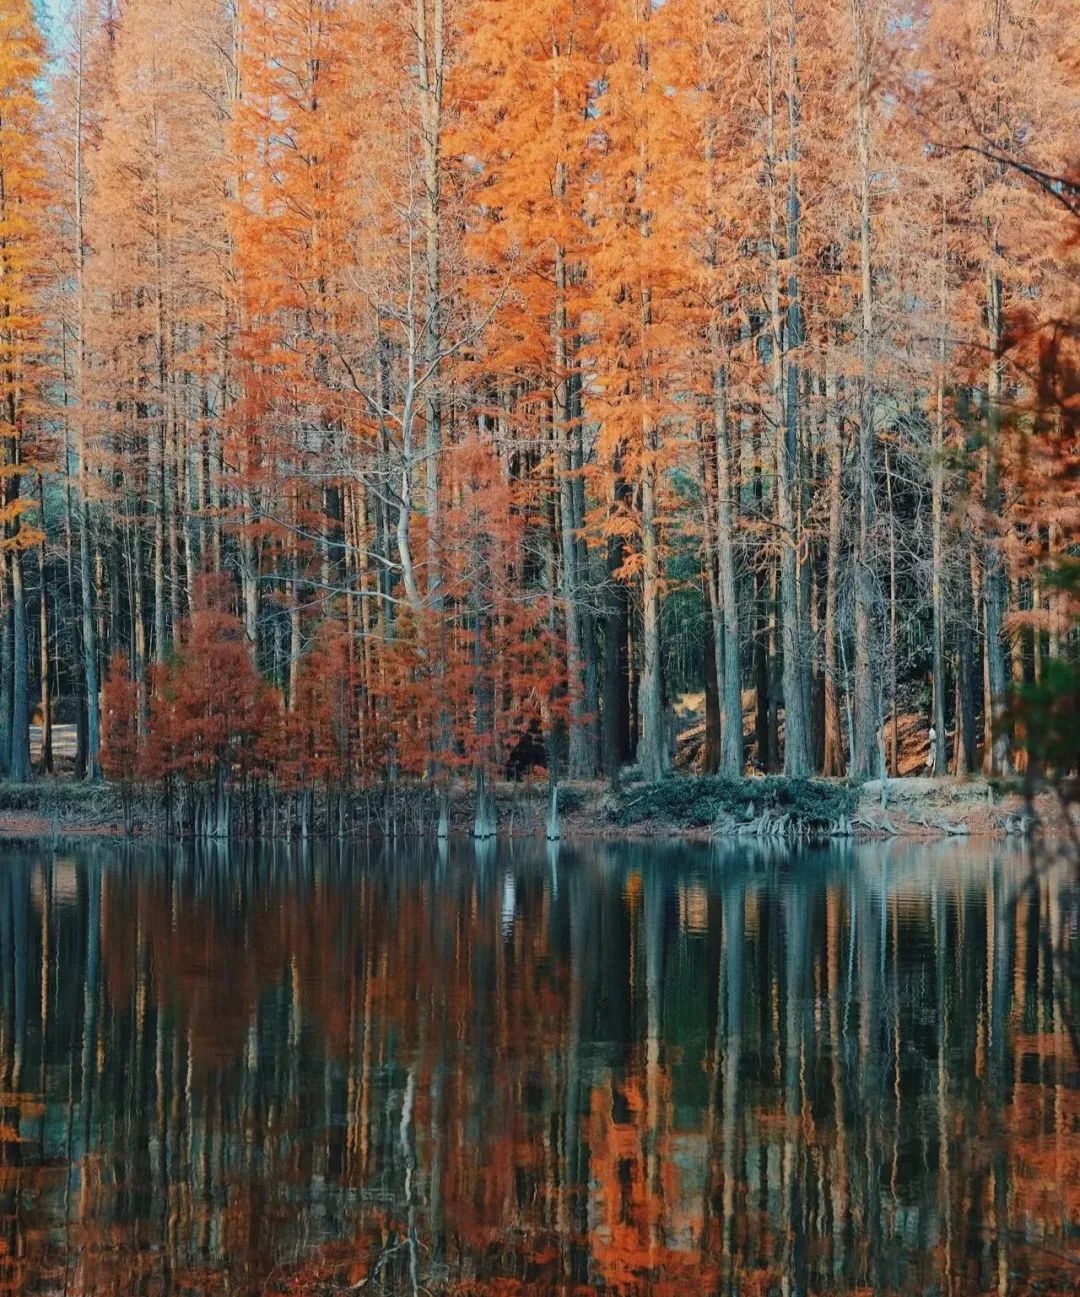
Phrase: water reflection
(625,1070)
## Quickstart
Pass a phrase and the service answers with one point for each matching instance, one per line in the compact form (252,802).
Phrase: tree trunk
(894,737)
(786,336)
(652,748)
(730,679)
(964,755)
(774,679)
(159,555)
(762,614)
(710,763)
(616,694)
(713,656)
(937,539)
(833,752)
(7,665)
(19,769)
(89,642)
(45,758)
(996,757)
(429,64)
(577,756)
(867,701)
(587,616)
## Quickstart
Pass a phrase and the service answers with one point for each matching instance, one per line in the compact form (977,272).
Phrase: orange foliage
(121,746)
(212,716)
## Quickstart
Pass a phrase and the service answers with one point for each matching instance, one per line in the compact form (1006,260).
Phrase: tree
(121,736)
(212,717)
(22,196)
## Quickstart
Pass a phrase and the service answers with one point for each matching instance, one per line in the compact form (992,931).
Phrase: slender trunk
(45,758)
(996,745)
(616,710)
(7,663)
(19,769)
(164,558)
(577,756)
(964,756)
(159,554)
(833,753)
(894,736)
(138,617)
(867,701)
(294,597)
(714,646)
(786,337)
(774,679)
(761,614)
(483,692)
(588,636)
(70,568)
(730,675)
(996,756)
(89,641)
(937,511)
(428,16)
(727,643)
(710,762)
(653,753)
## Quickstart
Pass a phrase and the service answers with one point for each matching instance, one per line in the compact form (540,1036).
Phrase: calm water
(614,1069)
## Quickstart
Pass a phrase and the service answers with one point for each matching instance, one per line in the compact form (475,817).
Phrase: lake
(519,1070)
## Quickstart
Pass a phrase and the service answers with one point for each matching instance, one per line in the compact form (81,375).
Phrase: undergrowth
(698,801)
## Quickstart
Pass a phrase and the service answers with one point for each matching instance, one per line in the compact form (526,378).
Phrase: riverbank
(691,807)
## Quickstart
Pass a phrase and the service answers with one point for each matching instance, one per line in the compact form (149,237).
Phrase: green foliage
(1046,715)
(697,801)
(1050,713)
(570,799)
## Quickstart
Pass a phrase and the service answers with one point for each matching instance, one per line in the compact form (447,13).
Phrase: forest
(413,391)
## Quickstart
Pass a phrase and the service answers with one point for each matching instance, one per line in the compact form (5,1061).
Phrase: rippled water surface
(624,1069)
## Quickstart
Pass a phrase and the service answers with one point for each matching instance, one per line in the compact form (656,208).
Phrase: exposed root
(781,825)
(960,830)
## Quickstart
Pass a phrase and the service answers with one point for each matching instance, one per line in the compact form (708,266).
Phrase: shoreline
(684,808)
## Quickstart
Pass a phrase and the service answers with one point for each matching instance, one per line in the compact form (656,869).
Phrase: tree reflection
(621,1070)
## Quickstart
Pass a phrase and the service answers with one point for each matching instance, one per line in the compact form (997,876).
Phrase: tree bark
(964,755)
(19,769)
(89,642)
(429,63)
(652,747)
(713,656)
(996,756)
(730,678)
(616,693)
(937,539)
(867,686)
(786,336)
(7,665)
(45,758)
(578,757)
(833,751)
